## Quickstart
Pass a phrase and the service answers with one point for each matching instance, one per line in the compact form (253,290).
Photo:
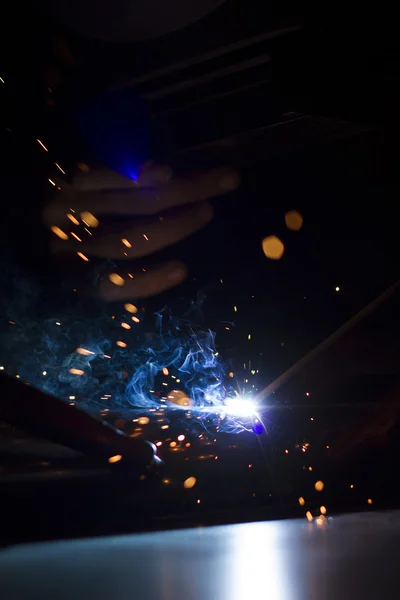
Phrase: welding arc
(284,377)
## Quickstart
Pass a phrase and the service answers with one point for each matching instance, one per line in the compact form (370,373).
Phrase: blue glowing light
(117,125)
(258,429)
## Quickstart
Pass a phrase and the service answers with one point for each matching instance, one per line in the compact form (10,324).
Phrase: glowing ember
(73,219)
(116,279)
(180,398)
(84,351)
(130,308)
(115,458)
(189,483)
(41,144)
(76,371)
(59,232)
(89,219)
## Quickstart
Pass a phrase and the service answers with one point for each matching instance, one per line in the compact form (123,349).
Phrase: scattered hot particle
(89,219)
(76,371)
(115,458)
(73,219)
(41,143)
(59,232)
(131,308)
(84,351)
(189,483)
(116,279)
(58,167)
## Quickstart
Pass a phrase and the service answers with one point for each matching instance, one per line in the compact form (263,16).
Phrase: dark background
(316,129)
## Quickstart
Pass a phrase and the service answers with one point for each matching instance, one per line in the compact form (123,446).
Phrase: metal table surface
(353,556)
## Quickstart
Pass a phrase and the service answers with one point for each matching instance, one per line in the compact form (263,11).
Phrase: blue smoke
(188,355)
(177,357)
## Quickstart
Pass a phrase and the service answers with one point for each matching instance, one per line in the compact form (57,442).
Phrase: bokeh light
(131,308)
(293,220)
(272,247)
(116,279)
(59,232)
(89,219)
(179,398)
(189,483)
